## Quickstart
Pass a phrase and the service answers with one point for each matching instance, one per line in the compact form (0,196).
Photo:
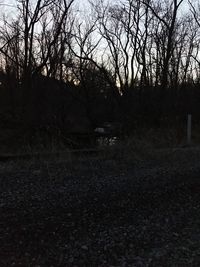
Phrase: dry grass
(143,145)
(152,144)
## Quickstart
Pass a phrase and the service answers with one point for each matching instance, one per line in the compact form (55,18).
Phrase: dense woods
(70,66)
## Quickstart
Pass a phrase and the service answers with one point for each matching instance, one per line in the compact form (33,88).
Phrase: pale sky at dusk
(9,6)
(82,4)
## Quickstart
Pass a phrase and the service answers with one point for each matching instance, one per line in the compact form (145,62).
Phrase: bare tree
(27,49)
(195,11)
(168,18)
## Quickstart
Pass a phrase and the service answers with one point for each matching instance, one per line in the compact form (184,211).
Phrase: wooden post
(189,129)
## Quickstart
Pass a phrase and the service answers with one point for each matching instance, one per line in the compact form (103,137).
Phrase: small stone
(84,247)
(37,172)
(71,260)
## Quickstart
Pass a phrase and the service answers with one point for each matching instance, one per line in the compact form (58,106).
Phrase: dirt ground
(101,212)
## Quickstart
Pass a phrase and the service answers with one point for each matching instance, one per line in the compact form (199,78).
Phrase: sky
(9,7)
(11,4)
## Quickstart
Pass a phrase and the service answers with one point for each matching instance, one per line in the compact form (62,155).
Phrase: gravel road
(101,213)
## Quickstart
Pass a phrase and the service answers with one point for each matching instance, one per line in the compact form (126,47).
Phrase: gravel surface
(101,213)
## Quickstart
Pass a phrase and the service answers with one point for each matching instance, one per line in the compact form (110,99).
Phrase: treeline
(133,62)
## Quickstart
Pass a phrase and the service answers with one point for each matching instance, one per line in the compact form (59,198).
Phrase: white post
(189,128)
